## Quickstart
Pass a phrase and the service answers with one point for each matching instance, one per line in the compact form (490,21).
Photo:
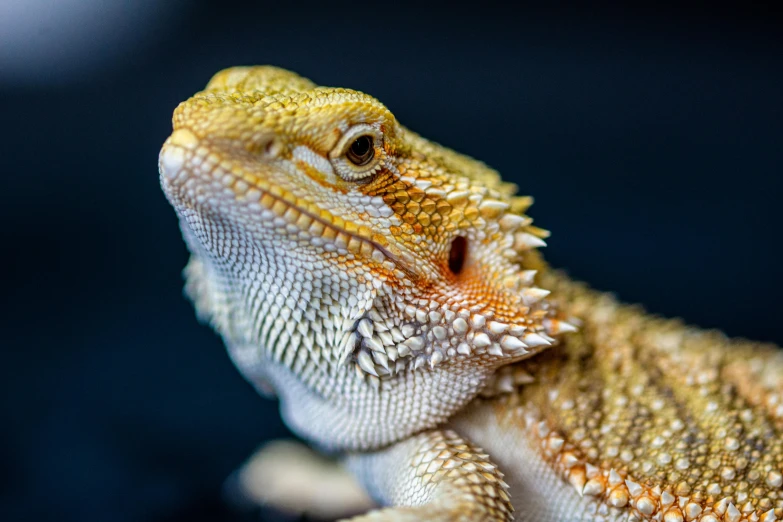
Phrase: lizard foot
(292,478)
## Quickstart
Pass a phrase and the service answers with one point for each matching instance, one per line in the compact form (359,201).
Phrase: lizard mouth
(190,174)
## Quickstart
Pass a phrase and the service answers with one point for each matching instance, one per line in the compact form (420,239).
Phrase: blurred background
(651,139)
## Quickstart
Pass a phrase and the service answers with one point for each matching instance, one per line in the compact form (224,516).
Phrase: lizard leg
(291,477)
(436,475)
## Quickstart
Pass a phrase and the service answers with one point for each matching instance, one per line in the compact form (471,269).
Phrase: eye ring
(359,153)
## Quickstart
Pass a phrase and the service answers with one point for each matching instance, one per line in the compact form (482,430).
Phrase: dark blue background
(650,138)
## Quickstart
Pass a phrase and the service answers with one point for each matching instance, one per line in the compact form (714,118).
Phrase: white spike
(415,343)
(373,343)
(732,513)
(577,480)
(517,330)
(439,332)
(512,222)
(523,240)
(533,339)
(533,295)
(528,276)
(564,327)
(592,488)
(692,510)
(396,334)
(495,349)
(492,207)
(570,460)
(633,488)
(347,346)
(381,359)
(556,444)
(556,326)
(460,325)
(511,344)
(365,362)
(386,338)
(477,321)
(481,340)
(496,327)
(381,327)
(436,358)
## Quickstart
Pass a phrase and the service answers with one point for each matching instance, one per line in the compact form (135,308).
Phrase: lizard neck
(341,411)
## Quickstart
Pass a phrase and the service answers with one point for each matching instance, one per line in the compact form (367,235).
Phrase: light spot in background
(70,41)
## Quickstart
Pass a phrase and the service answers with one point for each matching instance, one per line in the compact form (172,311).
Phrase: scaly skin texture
(389,291)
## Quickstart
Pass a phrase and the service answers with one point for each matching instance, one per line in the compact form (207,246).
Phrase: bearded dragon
(390,292)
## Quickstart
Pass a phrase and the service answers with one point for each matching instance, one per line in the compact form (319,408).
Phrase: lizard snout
(175,153)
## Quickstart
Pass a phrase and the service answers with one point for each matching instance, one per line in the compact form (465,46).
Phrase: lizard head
(331,242)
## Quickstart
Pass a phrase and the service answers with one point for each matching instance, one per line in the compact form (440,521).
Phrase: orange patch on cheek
(475,288)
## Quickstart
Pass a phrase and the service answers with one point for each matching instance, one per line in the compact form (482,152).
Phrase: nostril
(265,145)
(273,148)
(457,254)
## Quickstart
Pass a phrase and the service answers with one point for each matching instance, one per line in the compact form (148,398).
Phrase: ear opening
(458,253)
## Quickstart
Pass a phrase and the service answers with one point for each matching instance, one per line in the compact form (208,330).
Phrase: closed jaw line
(186,164)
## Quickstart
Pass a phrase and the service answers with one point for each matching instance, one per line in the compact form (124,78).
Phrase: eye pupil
(457,254)
(361,150)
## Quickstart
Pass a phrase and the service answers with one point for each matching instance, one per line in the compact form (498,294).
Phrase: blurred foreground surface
(651,141)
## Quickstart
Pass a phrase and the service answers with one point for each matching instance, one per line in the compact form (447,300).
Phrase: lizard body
(389,291)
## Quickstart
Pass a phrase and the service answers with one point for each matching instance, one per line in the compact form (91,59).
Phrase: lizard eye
(361,151)
(358,154)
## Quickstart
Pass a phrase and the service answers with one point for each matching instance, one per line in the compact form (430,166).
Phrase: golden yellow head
(331,242)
